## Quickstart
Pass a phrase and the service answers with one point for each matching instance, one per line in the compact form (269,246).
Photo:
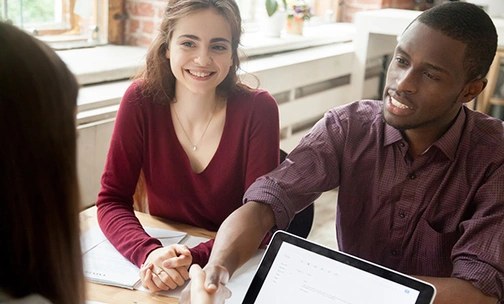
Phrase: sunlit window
(58,21)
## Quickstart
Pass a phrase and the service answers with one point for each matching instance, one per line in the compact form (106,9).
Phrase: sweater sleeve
(116,216)
(263,153)
(201,252)
(262,156)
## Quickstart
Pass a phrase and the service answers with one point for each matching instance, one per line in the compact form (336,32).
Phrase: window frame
(65,27)
(116,21)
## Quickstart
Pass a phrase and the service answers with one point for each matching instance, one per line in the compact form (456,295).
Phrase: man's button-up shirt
(440,215)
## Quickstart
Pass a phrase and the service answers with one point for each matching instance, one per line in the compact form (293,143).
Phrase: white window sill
(256,44)
(105,71)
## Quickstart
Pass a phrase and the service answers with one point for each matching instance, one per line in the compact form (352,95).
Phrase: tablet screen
(294,270)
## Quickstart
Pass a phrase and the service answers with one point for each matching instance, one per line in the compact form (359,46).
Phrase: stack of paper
(103,264)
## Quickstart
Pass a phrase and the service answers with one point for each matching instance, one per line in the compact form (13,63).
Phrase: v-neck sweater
(144,139)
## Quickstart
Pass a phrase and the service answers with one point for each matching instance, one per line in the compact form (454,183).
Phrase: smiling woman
(194,134)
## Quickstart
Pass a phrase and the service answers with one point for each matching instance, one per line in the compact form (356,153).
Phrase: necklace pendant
(194,148)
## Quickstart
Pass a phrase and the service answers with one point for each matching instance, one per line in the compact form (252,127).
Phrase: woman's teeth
(200,74)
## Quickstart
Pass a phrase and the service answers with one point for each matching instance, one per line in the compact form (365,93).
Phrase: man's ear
(473,89)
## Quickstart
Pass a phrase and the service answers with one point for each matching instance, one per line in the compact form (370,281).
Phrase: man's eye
(400,60)
(430,75)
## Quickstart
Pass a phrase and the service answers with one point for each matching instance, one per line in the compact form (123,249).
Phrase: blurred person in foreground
(39,218)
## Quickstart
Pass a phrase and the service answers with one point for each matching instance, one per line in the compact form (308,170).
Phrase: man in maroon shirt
(420,176)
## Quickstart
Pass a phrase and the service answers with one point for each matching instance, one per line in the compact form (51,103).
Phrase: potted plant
(272,6)
(297,12)
(275,20)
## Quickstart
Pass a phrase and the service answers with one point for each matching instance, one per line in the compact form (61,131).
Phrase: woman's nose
(203,59)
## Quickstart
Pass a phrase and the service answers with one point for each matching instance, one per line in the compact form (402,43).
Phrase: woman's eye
(219,48)
(187,44)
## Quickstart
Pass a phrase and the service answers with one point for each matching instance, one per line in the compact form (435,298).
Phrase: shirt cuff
(482,275)
(266,190)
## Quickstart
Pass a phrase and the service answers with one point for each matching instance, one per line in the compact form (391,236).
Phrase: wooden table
(110,294)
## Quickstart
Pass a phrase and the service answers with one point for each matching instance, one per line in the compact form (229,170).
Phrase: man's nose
(406,81)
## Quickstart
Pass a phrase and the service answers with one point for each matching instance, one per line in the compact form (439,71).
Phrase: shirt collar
(447,143)
(392,135)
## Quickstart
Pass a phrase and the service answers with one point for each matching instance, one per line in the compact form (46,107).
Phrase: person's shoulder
(254,98)
(135,93)
(485,128)
(365,109)
(31,299)
(483,136)
(136,97)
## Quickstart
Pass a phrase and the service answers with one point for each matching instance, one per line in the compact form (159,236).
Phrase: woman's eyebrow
(213,40)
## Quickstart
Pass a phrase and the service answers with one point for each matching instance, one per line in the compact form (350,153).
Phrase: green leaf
(271,7)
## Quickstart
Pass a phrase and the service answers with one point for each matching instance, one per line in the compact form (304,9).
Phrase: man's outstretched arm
(237,240)
(240,235)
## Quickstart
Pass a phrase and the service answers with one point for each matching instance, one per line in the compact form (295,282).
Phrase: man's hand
(199,294)
(155,276)
(213,284)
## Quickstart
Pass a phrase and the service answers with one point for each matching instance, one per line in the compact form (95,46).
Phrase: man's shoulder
(362,110)
(364,105)
(485,129)
(483,139)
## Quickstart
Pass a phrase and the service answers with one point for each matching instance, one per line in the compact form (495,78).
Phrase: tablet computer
(295,270)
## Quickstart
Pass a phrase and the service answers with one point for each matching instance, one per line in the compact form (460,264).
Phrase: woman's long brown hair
(39,218)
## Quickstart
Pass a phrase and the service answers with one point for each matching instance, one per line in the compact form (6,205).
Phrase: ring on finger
(159,271)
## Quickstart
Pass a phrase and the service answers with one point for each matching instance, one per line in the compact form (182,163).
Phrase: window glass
(28,12)
(58,21)
(322,11)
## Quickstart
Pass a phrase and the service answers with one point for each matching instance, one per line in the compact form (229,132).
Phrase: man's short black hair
(471,25)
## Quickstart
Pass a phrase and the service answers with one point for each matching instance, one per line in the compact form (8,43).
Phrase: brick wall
(144,18)
(145,15)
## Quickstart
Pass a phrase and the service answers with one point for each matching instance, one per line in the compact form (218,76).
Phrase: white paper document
(103,264)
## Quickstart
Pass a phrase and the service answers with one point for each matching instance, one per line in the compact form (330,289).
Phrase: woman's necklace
(194,146)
